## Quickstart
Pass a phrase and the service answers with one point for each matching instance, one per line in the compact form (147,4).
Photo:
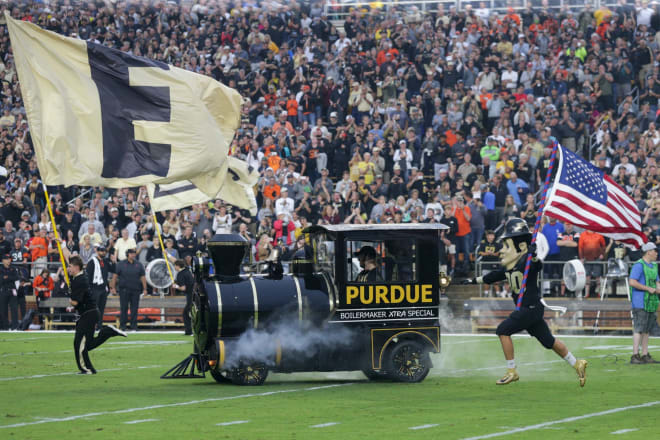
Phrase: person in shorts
(644,291)
(516,245)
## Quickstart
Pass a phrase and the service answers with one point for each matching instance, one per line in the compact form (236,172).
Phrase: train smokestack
(227,252)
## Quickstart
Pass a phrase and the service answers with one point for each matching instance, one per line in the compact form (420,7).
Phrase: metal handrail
(82,194)
(478,270)
(341,8)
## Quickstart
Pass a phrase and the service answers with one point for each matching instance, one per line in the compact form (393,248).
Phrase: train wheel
(408,361)
(375,375)
(218,376)
(249,374)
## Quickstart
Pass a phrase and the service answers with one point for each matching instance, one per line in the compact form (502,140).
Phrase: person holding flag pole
(582,195)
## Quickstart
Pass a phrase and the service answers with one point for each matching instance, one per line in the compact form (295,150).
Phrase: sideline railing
(555,268)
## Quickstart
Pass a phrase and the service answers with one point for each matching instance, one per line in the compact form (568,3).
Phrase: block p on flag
(99,116)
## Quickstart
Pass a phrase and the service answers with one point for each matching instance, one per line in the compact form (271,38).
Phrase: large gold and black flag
(99,116)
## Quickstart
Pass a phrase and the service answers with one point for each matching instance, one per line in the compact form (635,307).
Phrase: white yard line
(236,422)
(169,405)
(624,431)
(134,422)
(493,335)
(441,372)
(120,347)
(566,420)
(472,341)
(73,373)
(57,332)
(415,428)
(180,332)
(325,425)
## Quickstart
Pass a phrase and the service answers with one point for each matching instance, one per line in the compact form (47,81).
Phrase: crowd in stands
(395,116)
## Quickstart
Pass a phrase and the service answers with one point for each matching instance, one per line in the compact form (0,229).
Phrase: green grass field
(41,398)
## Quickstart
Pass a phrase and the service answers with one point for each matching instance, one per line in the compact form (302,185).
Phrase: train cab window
(324,253)
(388,261)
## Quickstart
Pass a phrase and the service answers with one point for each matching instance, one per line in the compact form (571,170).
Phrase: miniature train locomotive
(317,317)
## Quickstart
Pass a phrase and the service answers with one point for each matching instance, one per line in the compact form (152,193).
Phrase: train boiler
(318,315)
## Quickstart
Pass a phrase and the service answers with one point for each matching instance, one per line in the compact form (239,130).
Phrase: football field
(41,397)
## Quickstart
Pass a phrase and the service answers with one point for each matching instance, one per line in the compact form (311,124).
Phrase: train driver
(370,272)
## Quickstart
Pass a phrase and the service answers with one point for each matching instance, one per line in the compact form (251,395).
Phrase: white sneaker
(116,330)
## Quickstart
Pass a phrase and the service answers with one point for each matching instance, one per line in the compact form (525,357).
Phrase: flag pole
(162,246)
(57,237)
(537,226)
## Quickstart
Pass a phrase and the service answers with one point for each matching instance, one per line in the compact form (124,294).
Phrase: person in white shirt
(123,244)
(222,221)
(403,153)
(436,206)
(284,205)
(509,78)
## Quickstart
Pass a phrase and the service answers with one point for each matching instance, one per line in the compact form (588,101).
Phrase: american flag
(583,195)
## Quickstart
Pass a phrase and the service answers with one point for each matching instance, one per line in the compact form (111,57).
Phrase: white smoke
(294,337)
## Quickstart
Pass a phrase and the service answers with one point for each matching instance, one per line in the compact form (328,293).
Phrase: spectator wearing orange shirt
(43,285)
(283,123)
(272,190)
(463,215)
(39,251)
(591,248)
(274,161)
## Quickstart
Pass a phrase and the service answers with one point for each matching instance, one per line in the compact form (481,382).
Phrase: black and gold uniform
(530,315)
(369,276)
(370,272)
(84,340)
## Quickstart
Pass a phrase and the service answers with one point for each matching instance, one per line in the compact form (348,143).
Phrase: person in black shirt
(97,273)
(8,277)
(369,272)
(489,252)
(130,273)
(184,284)
(513,256)
(187,245)
(5,246)
(84,302)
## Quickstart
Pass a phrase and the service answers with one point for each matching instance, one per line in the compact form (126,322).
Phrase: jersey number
(515,281)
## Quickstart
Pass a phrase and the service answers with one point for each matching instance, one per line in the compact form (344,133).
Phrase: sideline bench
(487,313)
(173,310)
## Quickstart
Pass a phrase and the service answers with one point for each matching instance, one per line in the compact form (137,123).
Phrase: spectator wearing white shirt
(285,205)
(123,244)
(222,221)
(403,156)
(509,78)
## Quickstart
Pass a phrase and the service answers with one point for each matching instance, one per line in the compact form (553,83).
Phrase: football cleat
(510,376)
(581,370)
(117,331)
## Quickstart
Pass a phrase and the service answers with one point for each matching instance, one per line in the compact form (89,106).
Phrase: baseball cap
(25,213)
(650,246)
(5,256)
(130,251)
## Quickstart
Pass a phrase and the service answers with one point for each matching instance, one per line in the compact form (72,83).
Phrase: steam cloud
(301,338)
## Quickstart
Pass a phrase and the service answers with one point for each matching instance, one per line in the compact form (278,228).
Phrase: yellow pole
(162,246)
(57,236)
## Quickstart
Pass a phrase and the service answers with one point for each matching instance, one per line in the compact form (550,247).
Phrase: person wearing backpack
(644,291)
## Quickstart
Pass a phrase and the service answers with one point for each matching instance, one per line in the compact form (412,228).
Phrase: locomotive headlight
(445,280)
